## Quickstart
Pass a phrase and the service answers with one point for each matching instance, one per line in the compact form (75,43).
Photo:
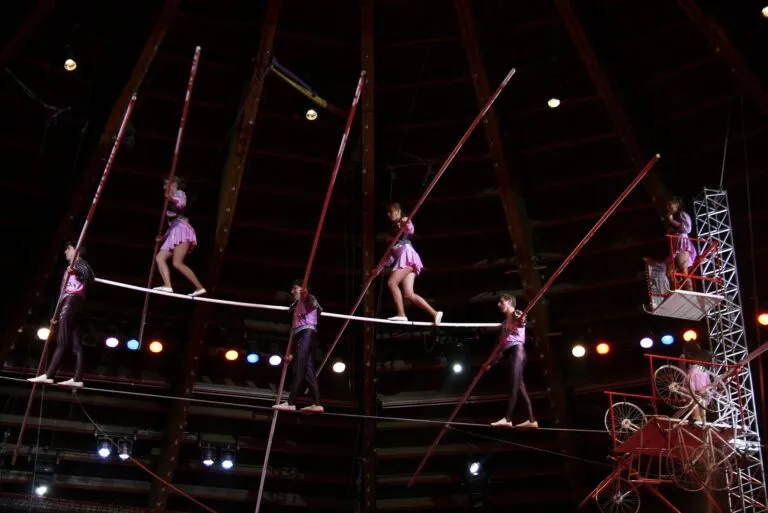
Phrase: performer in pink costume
(698,378)
(513,337)
(405,266)
(683,251)
(179,240)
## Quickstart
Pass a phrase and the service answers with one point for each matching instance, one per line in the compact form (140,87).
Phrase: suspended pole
(171,175)
(448,161)
(80,239)
(532,303)
(312,253)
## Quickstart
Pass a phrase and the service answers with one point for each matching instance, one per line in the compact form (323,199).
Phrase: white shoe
(315,408)
(438,318)
(397,318)
(71,383)
(502,422)
(42,378)
(284,406)
(528,425)
(163,289)
(198,292)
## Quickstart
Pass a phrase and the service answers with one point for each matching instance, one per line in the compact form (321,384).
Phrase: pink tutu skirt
(179,233)
(405,257)
(683,243)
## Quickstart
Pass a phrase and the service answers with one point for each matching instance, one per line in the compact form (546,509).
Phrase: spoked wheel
(623,419)
(713,397)
(618,496)
(717,466)
(672,386)
(685,468)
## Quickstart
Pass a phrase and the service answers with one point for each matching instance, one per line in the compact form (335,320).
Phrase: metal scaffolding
(727,335)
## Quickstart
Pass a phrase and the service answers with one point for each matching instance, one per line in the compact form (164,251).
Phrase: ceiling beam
(519,228)
(31,24)
(39,273)
(721,44)
(230,188)
(652,183)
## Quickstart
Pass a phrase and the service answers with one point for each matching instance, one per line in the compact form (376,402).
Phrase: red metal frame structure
(305,280)
(171,176)
(531,305)
(438,175)
(81,238)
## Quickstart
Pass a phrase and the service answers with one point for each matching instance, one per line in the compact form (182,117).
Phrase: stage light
(474,468)
(553,103)
(690,335)
(275,360)
(111,342)
(103,447)
(646,343)
(155,346)
(124,449)
(70,65)
(578,351)
(41,488)
(339,367)
(458,368)
(765,11)
(232,355)
(208,455)
(132,345)
(227,458)
(667,340)
(761,319)
(603,348)
(43,333)
(311,114)
(252,358)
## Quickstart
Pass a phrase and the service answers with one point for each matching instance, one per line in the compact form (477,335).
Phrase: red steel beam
(230,189)
(39,275)
(519,227)
(721,44)
(653,184)
(31,24)
(367,24)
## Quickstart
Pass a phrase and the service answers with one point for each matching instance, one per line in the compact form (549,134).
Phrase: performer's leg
(394,288)
(515,375)
(408,293)
(162,267)
(309,372)
(681,263)
(64,334)
(303,352)
(179,253)
(527,400)
(77,348)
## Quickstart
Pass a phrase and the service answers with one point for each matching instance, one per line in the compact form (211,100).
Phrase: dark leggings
(68,335)
(304,366)
(516,359)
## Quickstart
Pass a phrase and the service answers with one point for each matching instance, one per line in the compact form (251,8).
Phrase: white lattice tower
(727,336)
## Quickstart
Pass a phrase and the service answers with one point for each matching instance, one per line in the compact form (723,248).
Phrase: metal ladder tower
(727,335)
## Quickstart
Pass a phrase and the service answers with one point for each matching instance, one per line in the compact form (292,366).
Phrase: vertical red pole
(80,239)
(416,208)
(171,175)
(532,303)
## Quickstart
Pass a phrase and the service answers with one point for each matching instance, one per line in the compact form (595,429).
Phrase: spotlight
(252,358)
(232,355)
(339,367)
(41,488)
(132,345)
(603,348)
(275,360)
(474,468)
(311,114)
(103,447)
(646,343)
(155,346)
(762,318)
(227,458)
(667,340)
(124,449)
(765,12)
(457,368)
(208,455)
(578,351)
(70,65)
(111,342)
(43,333)
(553,103)
(690,335)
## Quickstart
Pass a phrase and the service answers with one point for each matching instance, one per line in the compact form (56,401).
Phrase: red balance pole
(86,224)
(531,304)
(312,253)
(431,186)
(171,175)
